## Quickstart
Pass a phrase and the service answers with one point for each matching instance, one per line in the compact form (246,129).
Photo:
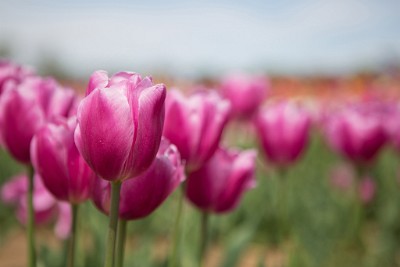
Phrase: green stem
(112,226)
(173,259)
(358,207)
(203,237)
(121,237)
(283,195)
(31,220)
(281,207)
(72,238)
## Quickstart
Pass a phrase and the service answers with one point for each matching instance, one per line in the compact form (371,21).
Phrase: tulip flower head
(26,107)
(14,192)
(62,227)
(218,185)
(55,157)
(356,134)
(120,123)
(283,130)
(342,177)
(245,93)
(141,195)
(46,207)
(195,124)
(10,71)
(367,190)
(392,126)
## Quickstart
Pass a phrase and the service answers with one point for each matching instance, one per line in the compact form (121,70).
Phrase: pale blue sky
(190,37)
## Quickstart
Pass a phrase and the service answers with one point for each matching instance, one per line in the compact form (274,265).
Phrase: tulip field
(123,169)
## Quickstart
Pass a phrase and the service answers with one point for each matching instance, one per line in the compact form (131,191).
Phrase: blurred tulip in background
(356,133)
(55,157)
(219,184)
(283,130)
(46,207)
(195,125)
(26,107)
(10,71)
(245,93)
(342,177)
(367,189)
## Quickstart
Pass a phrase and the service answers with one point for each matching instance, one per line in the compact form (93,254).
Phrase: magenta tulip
(218,185)
(367,189)
(62,228)
(195,125)
(391,122)
(120,124)
(14,189)
(356,133)
(14,192)
(283,130)
(245,92)
(55,157)
(46,207)
(342,177)
(141,195)
(9,71)
(26,107)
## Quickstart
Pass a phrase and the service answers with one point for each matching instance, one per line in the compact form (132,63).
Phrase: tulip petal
(105,132)
(101,195)
(81,177)
(49,156)
(144,193)
(242,178)
(216,114)
(61,102)
(176,118)
(99,79)
(125,78)
(149,121)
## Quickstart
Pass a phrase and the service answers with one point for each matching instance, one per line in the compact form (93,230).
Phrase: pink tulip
(55,157)
(120,124)
(392,125)
(245,92)
(14,192)
(62,228)
(46,207)
(141,195)
(14,189)
(195,124)
(356,133)
(9,71)
(26,107)
(342,177)
(367,190)
(283,130)
(218,185)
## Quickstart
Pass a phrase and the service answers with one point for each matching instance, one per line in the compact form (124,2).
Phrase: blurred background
(192,39)
(313,51)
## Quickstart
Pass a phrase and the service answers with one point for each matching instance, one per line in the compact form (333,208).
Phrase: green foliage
(8,167)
